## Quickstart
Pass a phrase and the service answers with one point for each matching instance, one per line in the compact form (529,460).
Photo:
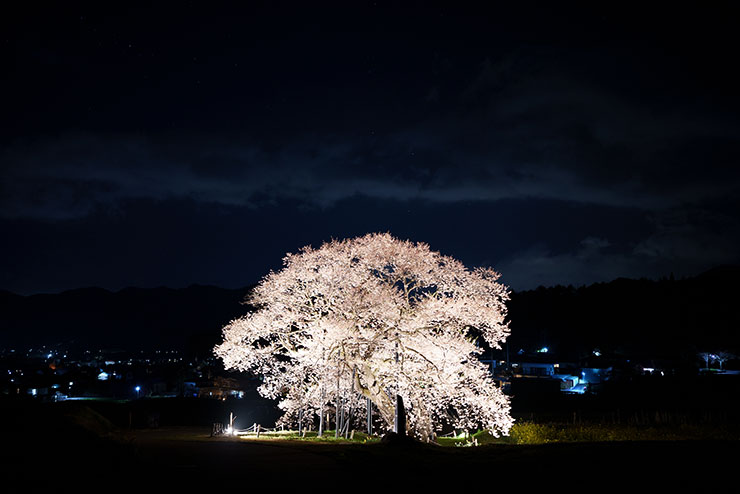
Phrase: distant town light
(544,349)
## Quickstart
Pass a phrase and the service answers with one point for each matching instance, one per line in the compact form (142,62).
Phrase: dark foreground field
(80,452)
(628,464)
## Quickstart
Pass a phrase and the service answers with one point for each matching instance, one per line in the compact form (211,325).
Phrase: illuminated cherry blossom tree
(373,317)
(722,357)
(707,357)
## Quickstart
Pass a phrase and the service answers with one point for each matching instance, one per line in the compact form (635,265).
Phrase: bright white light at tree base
(371,317)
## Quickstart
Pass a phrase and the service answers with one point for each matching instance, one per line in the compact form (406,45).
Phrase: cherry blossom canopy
(375,316)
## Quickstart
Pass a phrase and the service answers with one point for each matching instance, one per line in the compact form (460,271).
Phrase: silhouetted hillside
(130,319)
(665,318)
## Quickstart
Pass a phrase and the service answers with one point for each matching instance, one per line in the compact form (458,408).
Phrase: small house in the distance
(543,369)
(222,388)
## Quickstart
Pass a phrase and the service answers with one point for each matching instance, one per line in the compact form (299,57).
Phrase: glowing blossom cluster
(373,317)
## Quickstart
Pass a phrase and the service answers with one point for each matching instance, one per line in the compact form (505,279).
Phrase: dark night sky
(197,144)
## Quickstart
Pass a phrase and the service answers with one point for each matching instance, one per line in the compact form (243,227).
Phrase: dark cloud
(577,144)
(552,137)
(683,241)
(530,242)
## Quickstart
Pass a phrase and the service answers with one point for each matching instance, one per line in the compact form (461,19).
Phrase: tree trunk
(386,407)
(376,393)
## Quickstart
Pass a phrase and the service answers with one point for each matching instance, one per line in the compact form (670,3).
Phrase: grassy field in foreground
(659,463)
(528,433)
(534,433)
(74,443)
(81,416)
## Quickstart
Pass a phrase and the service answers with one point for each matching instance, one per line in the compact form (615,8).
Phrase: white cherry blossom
(373,317)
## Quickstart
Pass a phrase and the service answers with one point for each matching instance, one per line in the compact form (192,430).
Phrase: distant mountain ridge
(664,318)
(659,318)
(129,319)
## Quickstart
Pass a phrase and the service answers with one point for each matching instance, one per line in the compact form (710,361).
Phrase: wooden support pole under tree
(349,412)
(336,411)
(321,417)
(231,422)
(341,416)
